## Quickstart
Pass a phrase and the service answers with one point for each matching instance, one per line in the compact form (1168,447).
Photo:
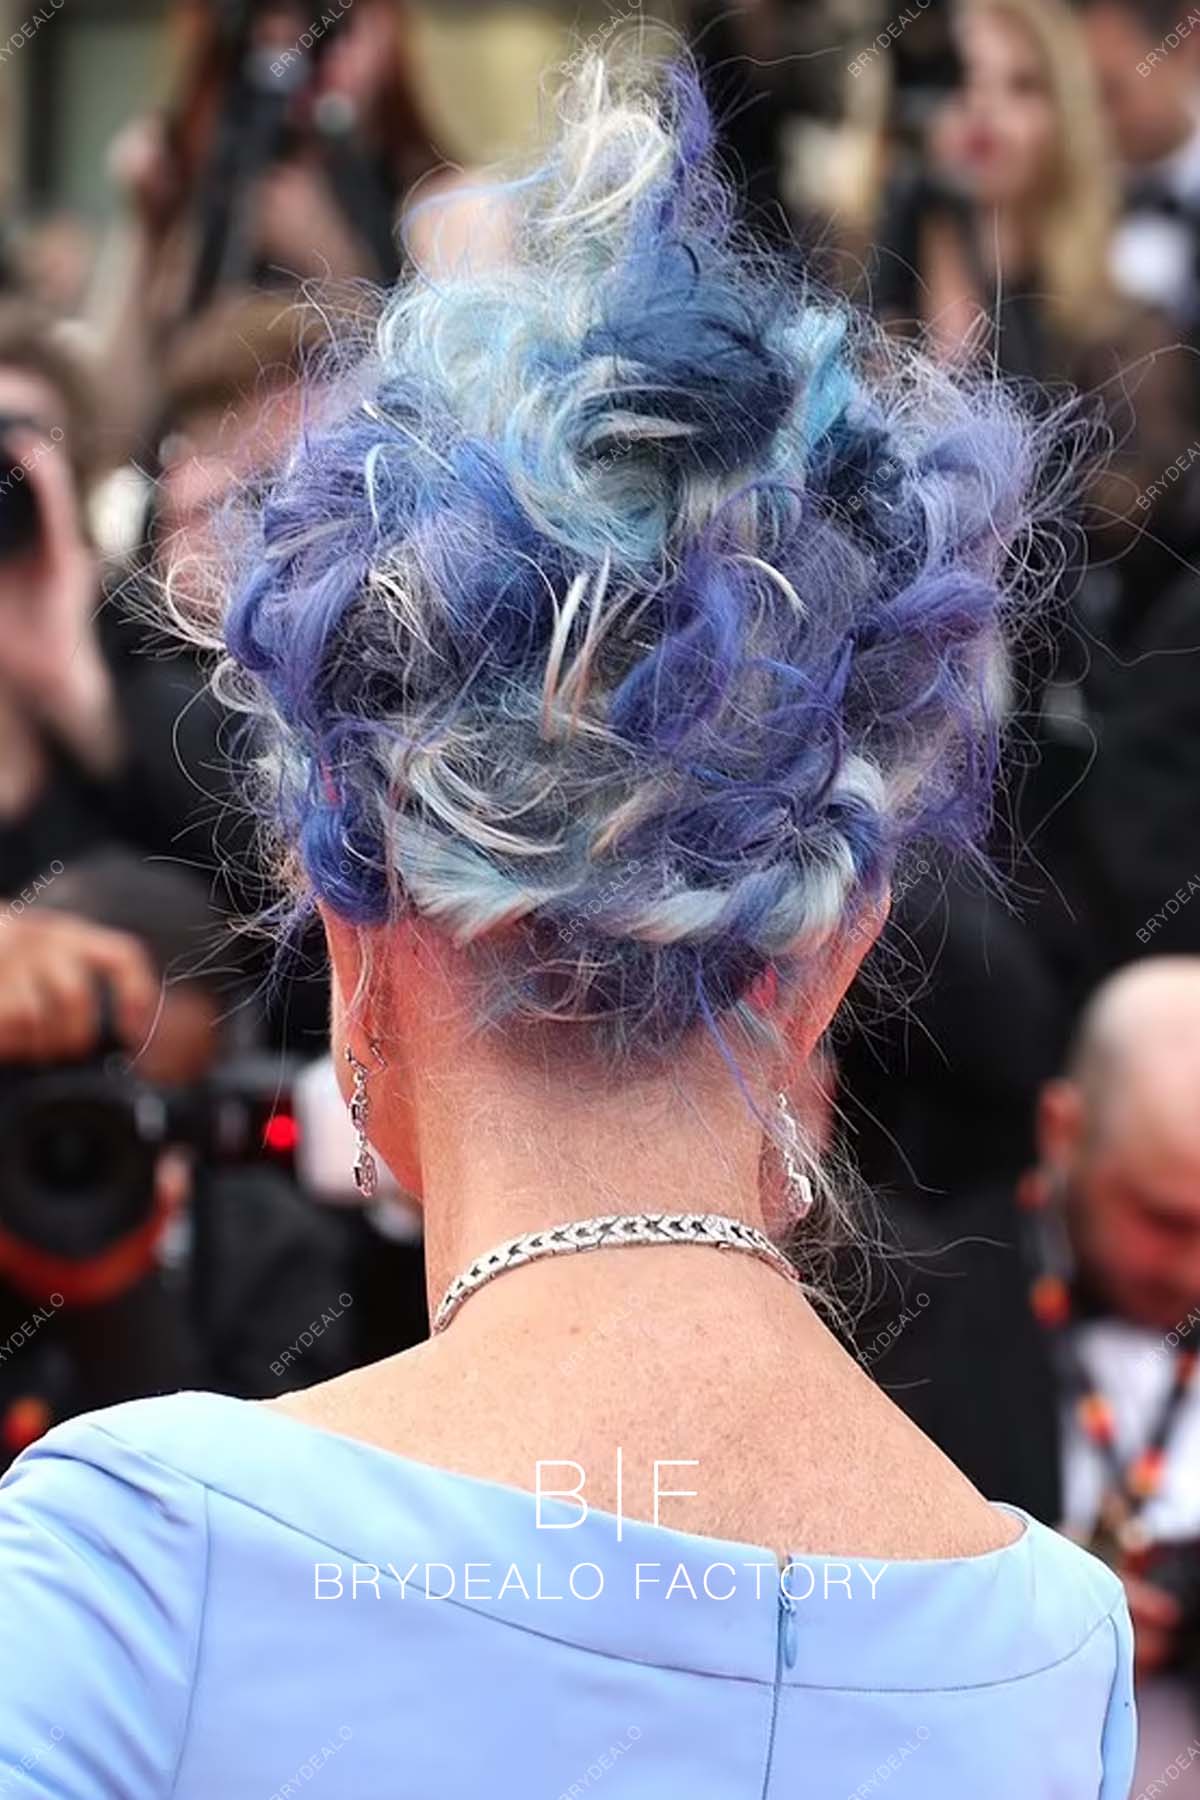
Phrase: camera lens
(83,1150)
(75,1173)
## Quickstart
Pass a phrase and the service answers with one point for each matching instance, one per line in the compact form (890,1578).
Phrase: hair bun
(637,598)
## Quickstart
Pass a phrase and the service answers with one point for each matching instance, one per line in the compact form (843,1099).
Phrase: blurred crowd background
(194,195)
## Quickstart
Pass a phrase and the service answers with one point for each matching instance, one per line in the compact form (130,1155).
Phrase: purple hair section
(796,556)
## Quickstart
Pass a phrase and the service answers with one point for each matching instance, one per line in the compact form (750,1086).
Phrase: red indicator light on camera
(281,1133)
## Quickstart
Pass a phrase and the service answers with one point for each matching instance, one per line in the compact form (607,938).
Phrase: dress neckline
(654,1595)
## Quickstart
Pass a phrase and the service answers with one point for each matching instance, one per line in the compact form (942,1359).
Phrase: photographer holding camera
(284,157)
(152,1235)
(87,1313)
(87,724)
(60,726)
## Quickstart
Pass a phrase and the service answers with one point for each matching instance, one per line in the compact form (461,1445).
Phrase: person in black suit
(1140,807)
(1146,57)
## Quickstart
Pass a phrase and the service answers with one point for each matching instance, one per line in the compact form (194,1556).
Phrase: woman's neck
(506,1151)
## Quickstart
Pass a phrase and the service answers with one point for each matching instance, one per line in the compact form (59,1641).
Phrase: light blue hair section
(629,607)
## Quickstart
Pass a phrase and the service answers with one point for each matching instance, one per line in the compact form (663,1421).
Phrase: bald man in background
(1046,1338)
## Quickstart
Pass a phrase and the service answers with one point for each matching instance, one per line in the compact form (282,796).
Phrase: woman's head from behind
(625,620)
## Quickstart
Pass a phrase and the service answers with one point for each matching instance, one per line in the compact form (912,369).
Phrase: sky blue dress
(207,1600)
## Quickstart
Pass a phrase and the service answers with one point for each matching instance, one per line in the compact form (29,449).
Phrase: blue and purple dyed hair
(633,609)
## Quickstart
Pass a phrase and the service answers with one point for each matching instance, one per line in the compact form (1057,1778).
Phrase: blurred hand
(50,967)
(139,162)
(1156,1618)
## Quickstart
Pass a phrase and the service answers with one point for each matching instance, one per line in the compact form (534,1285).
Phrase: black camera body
(80,1143)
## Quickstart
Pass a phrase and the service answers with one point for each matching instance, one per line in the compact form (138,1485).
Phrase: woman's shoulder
(1011,1597)
(105,1491)
(180,1463)
(117,1469)
(102,1584)
(147,1458)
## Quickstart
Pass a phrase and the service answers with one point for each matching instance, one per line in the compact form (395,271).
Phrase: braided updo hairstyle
(630,609)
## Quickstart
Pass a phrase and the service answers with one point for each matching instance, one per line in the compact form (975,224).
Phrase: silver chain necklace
(614,1229)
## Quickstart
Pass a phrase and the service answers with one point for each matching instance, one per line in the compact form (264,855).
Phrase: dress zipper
(785,1657)
(787,1616)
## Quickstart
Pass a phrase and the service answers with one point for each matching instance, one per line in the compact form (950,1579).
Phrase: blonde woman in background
(1002,244)
(1024,145)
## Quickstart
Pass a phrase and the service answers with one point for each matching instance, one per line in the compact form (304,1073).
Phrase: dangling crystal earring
(366,1170)
(799,1185)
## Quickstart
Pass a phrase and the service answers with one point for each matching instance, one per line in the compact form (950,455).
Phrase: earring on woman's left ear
(799,1183)
(366,1170)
